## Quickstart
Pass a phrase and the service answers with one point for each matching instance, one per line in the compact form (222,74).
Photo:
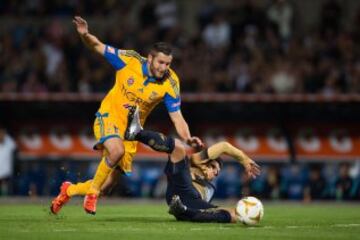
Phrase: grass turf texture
(151,221)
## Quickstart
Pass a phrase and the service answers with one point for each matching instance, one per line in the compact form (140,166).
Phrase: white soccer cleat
(134,125)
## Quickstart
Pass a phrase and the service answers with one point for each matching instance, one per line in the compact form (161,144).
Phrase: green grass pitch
(151,221)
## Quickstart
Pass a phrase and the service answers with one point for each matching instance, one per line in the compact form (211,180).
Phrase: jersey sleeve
(172,98)
(119,58)
(172,104)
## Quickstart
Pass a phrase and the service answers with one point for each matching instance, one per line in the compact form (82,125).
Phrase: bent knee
(115,153)
(179,151)
(179,146)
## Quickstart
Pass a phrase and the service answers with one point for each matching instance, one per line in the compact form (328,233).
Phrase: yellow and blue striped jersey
(135,86)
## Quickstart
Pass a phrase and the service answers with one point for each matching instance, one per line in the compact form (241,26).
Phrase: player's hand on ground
(81,25)
(195,142)
(251,168)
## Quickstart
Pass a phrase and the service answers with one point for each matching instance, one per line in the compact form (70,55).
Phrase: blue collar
(145,70)
(146,74)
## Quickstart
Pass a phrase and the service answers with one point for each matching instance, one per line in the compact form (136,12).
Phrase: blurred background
(279,79)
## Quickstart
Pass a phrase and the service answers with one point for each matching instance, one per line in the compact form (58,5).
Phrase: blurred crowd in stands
(306,182)
(242,47)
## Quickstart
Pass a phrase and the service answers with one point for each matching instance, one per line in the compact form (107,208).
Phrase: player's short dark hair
(220,161)
(162,47)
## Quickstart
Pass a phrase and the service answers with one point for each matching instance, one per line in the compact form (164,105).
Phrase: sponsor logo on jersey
(132,97)
(176,104)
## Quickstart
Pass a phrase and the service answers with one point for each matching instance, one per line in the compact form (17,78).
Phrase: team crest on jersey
(153,95)
(130,81)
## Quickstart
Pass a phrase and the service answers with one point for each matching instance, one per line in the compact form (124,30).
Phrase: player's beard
(155,72)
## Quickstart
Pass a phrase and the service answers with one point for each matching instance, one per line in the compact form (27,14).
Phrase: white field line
(345,225)
(65,230)
(349,225)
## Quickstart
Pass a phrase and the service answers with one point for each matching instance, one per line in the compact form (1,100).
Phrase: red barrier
(264,142)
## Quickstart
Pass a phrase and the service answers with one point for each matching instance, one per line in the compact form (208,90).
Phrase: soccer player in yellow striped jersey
(139,81)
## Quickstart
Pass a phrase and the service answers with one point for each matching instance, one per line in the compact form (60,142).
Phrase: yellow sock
(80,188)
(101,174)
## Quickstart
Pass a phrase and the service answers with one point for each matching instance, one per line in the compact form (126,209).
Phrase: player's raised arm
(216,150)
(90,40)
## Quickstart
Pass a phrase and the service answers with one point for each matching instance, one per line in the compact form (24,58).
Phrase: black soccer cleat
(176,207)
(134,125)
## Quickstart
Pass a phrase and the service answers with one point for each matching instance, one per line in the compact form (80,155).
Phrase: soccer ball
(249,210)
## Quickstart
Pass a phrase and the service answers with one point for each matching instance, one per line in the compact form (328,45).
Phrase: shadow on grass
(136,219)
(145,219)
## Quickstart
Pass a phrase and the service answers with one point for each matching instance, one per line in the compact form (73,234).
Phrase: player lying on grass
(189,190)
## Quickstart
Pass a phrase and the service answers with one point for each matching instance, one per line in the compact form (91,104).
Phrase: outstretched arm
(226,148)
(90,40)
(216,150)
